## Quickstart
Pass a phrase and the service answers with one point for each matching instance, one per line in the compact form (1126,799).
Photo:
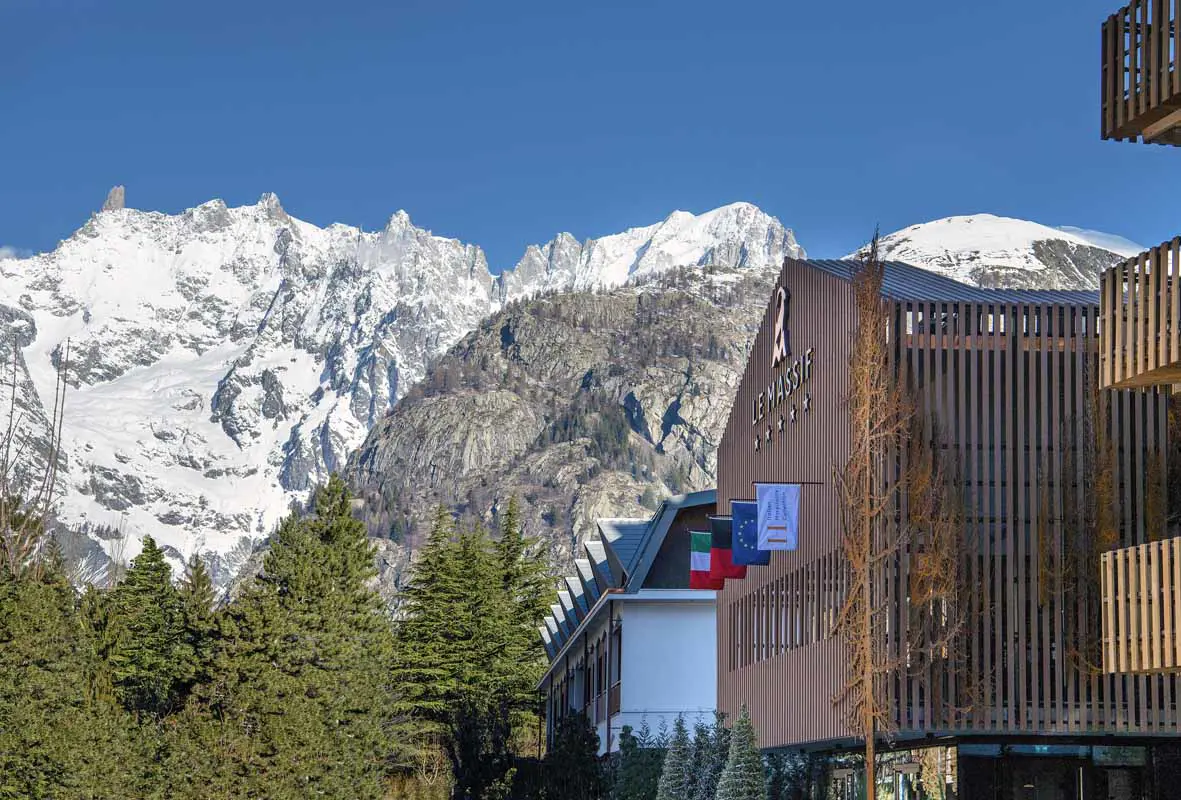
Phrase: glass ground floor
(1009,771)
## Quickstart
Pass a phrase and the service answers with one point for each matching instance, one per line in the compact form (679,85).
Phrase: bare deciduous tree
(880,418)
(898,497)
(26,494)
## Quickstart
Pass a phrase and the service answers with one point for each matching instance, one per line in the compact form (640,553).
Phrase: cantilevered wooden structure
(1141,83)
(1140,318)
(1140,341)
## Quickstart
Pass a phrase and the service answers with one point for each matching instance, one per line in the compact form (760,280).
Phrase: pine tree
(150,659)
(301,702)
(676,779)
(713,761)
(744,777)
(57,739)
(197,600)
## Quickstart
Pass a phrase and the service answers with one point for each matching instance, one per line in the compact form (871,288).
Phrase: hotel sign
(789,376)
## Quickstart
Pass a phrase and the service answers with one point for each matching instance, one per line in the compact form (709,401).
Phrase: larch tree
(880,423)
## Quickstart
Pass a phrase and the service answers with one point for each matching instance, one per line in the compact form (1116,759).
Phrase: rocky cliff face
(583,405)
(223,360)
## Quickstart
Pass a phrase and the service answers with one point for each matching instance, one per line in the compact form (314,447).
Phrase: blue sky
(504,123)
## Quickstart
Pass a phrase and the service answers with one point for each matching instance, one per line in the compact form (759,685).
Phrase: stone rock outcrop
(116,199)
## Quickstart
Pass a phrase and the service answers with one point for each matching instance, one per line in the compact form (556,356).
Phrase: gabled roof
(902,281)
(563,625)
(567,603)
(578,595)
(657,528)
(586,576)
(623,537)
(604,577)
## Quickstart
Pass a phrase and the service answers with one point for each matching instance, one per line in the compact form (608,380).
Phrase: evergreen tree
(468,655)
(700,758)
(640,763)
(713,759)
(149,655)
(301,701)
(572,769)
(527,587)
(676,778)
(197,600)
(744,777)
(57,739)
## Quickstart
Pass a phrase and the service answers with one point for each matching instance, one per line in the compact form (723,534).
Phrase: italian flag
(700,542)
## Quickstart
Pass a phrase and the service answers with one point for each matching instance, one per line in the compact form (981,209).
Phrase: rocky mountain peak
(227,358)
(116,199)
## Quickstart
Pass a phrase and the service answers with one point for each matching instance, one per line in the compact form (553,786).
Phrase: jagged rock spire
(115,199)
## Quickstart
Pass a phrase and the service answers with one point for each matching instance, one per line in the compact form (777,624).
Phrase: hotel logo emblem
(781,342)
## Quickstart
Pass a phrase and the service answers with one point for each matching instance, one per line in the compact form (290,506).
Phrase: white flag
(779,515)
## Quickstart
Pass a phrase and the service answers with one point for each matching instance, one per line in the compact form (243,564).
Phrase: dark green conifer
(301,703)
(197,600)
(676,778)
(715,752)
(150,659)
(572,768)
(744,777)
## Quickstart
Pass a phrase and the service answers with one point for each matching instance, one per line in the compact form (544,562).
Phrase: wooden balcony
(1141,81)
(1142,608)
(1140,320)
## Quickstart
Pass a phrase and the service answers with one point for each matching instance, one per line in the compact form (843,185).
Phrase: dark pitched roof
(623,538)
(902,281)
(657,529)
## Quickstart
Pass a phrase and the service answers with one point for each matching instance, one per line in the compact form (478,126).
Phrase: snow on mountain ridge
(1001,252)
(224,359)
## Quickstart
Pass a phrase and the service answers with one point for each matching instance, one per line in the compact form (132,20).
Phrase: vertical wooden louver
(1142,608)
(1140,319)
(1141,86)
(1022,425)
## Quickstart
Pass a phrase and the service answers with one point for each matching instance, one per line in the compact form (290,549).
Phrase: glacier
(223,360)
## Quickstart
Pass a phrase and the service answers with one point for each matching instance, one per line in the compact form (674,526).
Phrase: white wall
(669,664)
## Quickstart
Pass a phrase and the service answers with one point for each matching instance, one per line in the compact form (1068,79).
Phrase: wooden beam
(1162,125)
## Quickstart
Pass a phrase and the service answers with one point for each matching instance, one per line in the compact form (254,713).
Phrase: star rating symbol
(793,414)
(768,435)
(757,440)
(781,423)
(807,403)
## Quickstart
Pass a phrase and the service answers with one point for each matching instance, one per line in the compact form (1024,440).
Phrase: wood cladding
(1141,84)
(1023,427)
(1140,316)
(1142,608)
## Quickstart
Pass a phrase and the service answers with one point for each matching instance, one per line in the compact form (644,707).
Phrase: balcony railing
(1141,81)
(1142,608)
(1140,320)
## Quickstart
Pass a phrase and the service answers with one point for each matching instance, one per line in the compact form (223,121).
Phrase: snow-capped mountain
(1001,252)
(222,360)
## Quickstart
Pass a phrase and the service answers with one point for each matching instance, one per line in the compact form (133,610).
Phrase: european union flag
(745,526)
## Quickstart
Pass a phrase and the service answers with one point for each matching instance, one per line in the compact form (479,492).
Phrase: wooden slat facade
(1141,85)
(1140,320)
(1025,429)
(1142,608)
